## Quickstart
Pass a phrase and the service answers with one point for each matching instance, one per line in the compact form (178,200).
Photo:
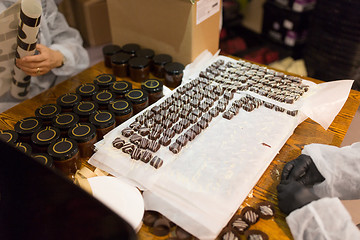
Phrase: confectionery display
(256,235)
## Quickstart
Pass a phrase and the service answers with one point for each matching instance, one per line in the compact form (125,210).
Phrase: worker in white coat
(311,188)
(60,53)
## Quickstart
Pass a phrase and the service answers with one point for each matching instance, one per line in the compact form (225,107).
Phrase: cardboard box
(92,21)
(179,28)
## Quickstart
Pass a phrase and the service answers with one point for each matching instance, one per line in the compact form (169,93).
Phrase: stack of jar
(137,63)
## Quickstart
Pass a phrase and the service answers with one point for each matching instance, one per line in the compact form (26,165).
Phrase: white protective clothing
(327,218)
(56,34)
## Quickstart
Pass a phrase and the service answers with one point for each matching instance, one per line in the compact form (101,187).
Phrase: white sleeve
(340,168)
(324,219)
(65,39)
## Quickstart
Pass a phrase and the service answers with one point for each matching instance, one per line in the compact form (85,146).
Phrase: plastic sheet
(201,187)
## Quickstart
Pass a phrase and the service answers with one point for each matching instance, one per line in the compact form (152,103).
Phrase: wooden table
(306,133)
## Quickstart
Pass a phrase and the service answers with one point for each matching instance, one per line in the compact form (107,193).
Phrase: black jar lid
(102,119)
(65,121)
(139,62)
(137,96)
(162,59)
(111,49)
(63,149)
(174,68)
(152,86)
(120,58)
(47,111)
(131,48)
(145,52)
(121,87)
(24,147)
(104,80)
(44,159)
(120,107)
(103,97)
(87,90)
(82,132)
(45,135)
(68,100)
(85,108)
(9,136)
(28,125)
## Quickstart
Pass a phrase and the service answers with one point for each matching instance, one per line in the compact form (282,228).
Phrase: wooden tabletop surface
(306,133)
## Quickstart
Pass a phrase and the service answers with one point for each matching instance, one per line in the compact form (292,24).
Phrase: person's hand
(293,195)
(41,63)
(303,170)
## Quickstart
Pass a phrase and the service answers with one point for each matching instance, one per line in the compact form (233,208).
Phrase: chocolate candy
(175,147)
(228,115)
(150,217)
(141,119)
(158,128)
(128,148)
(234,110)
(229,95)
(169,133)
(165,140)
(156,109)
(229,235)
(279,109)
(118,143)
(206,117)
(266,209)
(292,113)
(153,146)
(178,128)
(239,225)
(203,124)
(154,135)
(146,156)
(185,123)
(167,123)
(182,140)
(249,215)
(256,235)
(127,132)
(156,162)
(196,112)
(136,154)
(143,131)
(196,129)
(190,135)
(144,143)
(221,107)
(135,139)
(214,112)
(135,126)
(192,118)
(184,113)
(174,117)
(181,234)
(269,105)
(158,118)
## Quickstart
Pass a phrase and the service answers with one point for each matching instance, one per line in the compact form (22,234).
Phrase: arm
(340,167)
(322,219)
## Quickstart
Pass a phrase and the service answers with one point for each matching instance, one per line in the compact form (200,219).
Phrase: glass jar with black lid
(154,88)
(104,80)
(68,101)
(120,88)
(139,69)
(64,122)
(87,90)
(44,159)
(42,138)
(24,147)
(159,62)
(9,136)
(104,121)
(103,98)
(47,112)
(108,51)
(131,48)
(173,74)
(139,99)
(84,109)
(85,135)
(146,53)
(26,127)
(65,154)
(120,64)
(122,110)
